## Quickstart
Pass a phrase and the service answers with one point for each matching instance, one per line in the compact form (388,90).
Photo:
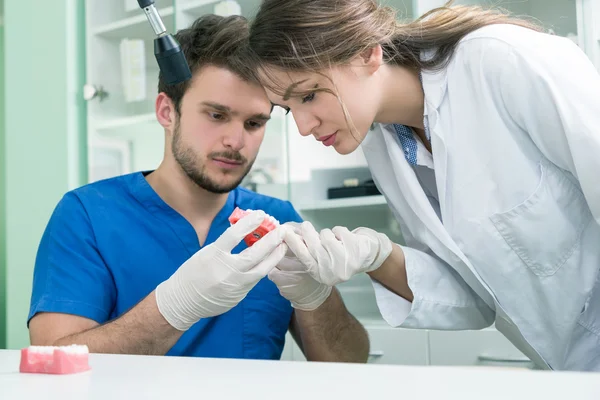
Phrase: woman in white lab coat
(483,134)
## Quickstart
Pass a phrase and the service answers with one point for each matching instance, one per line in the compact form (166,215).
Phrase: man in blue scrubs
(147,263)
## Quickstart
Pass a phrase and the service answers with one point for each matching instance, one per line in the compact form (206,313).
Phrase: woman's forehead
(285,83)
(282,77)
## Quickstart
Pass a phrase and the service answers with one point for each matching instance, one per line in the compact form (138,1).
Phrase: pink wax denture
(268,224)
(54,359)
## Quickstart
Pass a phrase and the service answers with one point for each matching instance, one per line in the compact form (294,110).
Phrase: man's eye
(254,124)
(217,116)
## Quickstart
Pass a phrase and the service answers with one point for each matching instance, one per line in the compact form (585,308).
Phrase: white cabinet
(397,346)
(394,346)
(486,347)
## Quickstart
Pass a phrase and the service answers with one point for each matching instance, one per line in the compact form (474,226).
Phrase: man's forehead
(223,87)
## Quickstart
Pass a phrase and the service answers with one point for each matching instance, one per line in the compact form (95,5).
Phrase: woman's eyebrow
(288,91)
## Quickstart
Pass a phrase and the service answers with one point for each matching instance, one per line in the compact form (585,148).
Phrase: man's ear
(165,111)
(371,59)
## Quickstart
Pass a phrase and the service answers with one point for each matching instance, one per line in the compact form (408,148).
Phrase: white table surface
(115,377)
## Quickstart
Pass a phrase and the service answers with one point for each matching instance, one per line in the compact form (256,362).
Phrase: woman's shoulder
(500,46)
(497,41)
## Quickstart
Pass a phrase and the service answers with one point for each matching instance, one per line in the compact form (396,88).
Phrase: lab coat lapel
(434,88)
(413,196)
(440,161)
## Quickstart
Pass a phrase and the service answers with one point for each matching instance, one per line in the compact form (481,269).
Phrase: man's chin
(220,184)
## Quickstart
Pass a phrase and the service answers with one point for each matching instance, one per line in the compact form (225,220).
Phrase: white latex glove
(336,255)
(213,280)
(294,281)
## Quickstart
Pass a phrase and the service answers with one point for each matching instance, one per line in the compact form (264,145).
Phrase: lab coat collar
(434,83)
(434,86)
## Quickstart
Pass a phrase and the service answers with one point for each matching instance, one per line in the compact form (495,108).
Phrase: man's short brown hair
(211,40)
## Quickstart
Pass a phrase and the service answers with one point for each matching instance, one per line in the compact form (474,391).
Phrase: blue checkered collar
(415,151)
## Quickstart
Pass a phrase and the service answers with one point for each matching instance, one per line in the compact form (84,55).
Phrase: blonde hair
(312,35)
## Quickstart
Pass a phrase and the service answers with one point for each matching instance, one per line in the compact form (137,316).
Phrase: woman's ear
(165,111)
(372,58)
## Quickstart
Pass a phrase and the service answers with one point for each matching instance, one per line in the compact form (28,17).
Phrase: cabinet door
(397,346)
(486,347)
(122,76)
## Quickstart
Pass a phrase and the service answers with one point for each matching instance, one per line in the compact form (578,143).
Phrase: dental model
(54,359)
(267,225)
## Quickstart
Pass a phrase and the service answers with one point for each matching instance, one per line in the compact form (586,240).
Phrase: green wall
(44,131)
(2,196)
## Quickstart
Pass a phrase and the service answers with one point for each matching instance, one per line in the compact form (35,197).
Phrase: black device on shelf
(367,188)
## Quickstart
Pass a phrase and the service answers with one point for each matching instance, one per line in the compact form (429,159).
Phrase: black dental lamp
(168,53)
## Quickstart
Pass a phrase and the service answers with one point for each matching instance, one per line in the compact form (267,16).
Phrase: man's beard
(195,170)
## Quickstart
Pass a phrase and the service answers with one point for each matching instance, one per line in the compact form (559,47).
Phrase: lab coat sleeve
(553,94)
(442,299)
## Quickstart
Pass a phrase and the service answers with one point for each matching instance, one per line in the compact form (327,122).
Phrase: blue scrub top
(110,243)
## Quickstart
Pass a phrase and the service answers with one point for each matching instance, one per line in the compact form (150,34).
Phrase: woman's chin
(345,147)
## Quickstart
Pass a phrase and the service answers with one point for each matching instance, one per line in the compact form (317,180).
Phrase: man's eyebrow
(261,116)
(218,107)
(226,109)
(288,91)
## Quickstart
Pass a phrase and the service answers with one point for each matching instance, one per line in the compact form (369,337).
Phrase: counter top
(115,377)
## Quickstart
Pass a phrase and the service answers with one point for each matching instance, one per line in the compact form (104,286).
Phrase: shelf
(136,27)
(377,201)
(128,126)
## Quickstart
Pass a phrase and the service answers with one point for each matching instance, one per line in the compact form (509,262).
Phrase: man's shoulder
(282,210)
(103,193)
(106,186)
(106,190)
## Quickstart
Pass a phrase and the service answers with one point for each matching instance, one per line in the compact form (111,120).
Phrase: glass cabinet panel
(122,78)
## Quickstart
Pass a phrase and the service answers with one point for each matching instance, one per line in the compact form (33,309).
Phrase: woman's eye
(308,98)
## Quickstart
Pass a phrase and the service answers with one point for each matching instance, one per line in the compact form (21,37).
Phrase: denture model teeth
(54,359)
(268,224)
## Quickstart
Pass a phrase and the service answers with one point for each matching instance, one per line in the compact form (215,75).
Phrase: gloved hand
(336,255)
(294,281)
(213,280)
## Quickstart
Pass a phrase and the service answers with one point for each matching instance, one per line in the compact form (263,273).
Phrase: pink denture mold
(54,359)
(268,224)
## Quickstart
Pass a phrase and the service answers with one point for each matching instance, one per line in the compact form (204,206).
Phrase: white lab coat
(515,132)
